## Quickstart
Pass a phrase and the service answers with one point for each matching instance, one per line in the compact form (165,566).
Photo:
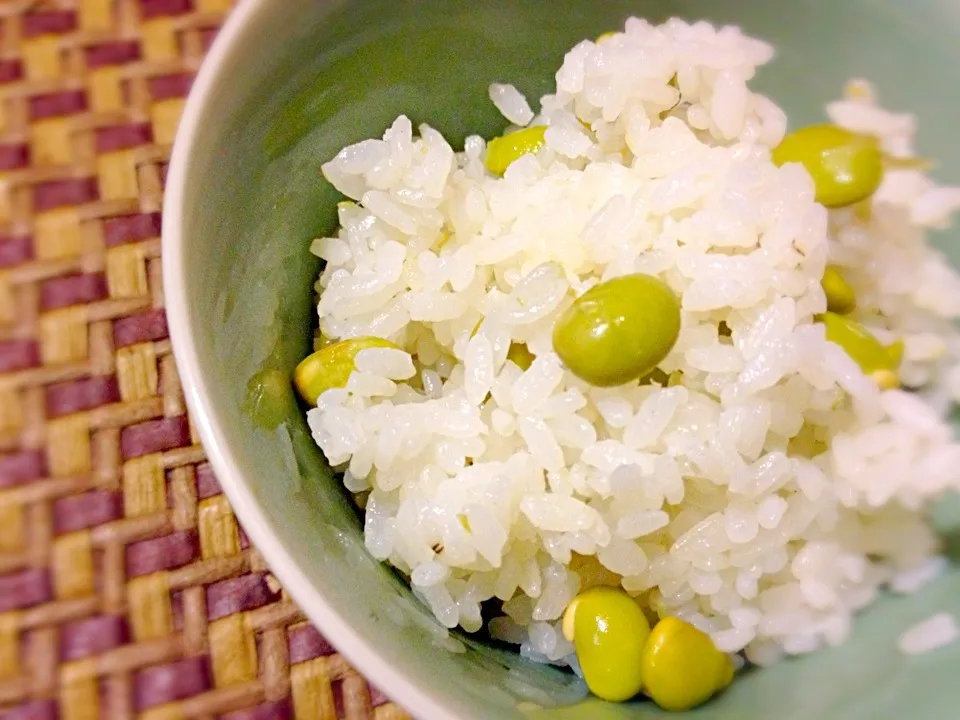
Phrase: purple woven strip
(33,710)
(18,355)
(67,290)
(154,436)
(14,156)
(114,53)
(21,467)
(305,643)
(25,589)
(164,87)
(281,710)
(131,228)
(207,37)
(15,250)
(58,104)
(207,483)
(62,193)
(92,636)
(89,509)
(145,327)
(166,683)
(155,8)
(238,594)
(163,553)
(50,22)
(121,137)
(10,70)
(79,395)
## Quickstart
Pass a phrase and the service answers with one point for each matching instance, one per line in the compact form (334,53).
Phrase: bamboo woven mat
(127,588)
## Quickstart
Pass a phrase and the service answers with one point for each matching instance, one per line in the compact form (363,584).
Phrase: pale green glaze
(315,76)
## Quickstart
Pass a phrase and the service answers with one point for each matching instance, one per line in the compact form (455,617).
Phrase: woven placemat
(127,588)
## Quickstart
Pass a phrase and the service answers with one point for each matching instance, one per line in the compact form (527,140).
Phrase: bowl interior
(296,80)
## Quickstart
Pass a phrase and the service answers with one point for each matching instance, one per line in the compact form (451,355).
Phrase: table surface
(127,588)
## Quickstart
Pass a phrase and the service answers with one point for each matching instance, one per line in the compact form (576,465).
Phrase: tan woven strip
(233,651)
(151,616)
(218,528)
(9,645)
(312,692)
(144,486)
(72,566)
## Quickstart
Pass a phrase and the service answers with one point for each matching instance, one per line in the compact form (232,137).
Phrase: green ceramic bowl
(287,84)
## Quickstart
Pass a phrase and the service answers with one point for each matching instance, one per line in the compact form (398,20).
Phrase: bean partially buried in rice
(757,483)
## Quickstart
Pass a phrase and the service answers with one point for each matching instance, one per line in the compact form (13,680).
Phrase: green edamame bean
(268,400)
(682,668)
(846,167)
(840,296)
(875,359)
(609,631)
(505,149)
(330,367)
(520,355)
(895,352)
(618,330)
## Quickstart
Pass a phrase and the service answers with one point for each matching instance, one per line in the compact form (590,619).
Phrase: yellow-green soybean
(520,355)
(682,668)
(503,150)
(618,330)
(268,400)
(609,632)
(330,367)
(846,167)
(840,296)
(873,357)
(320,340)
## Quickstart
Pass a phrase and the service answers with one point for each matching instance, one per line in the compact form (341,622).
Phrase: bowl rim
(362,655)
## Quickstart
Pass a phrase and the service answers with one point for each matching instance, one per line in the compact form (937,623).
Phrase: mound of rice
(768,494)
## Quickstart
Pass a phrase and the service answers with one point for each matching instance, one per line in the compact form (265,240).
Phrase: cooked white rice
(486,481)
(930,634)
